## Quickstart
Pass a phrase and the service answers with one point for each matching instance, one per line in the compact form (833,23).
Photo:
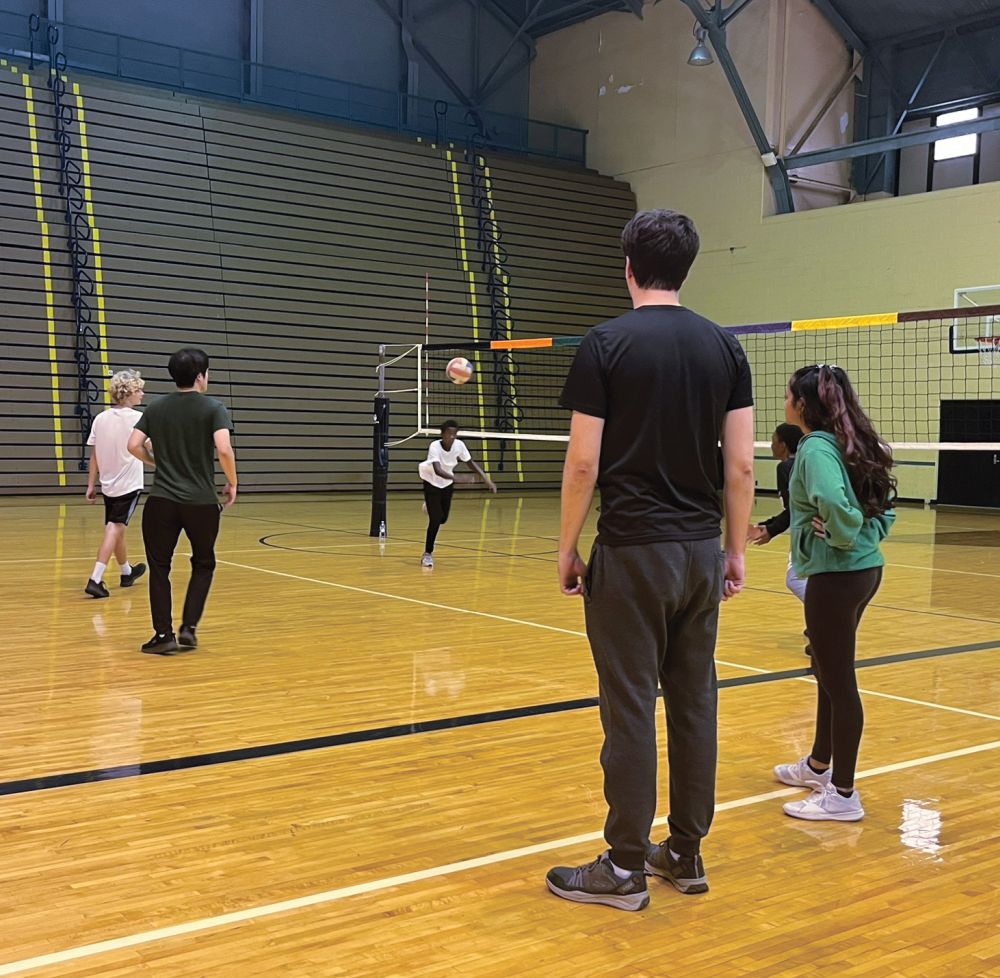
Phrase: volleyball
(459,370)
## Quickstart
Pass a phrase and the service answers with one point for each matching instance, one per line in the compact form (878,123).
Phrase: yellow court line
(95,237)
(506,306)
(432,872)
(50,315)
(844,322)
(470,275)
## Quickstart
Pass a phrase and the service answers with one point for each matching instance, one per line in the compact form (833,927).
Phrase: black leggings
(438,507)
(834,605)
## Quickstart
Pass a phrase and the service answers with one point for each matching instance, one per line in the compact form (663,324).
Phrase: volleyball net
(907,367)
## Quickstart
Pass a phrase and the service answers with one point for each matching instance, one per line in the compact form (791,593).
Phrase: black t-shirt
(663,378)
(182,427)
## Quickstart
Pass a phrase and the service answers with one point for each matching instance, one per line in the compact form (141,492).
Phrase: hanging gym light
(701,55)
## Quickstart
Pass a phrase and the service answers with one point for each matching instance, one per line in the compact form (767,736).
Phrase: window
(957,146)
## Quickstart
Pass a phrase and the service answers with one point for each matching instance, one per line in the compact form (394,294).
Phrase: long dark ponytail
(830,403)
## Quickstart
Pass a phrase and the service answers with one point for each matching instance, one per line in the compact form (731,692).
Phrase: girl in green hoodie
(841,495)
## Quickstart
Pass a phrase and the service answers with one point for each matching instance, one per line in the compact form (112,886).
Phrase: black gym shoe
(186,637)
(687,873)
(161,645)
(97,589)
(127,580)
(597,882)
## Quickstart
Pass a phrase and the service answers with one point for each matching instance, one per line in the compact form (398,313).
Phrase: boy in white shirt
(438,474)
(121,477)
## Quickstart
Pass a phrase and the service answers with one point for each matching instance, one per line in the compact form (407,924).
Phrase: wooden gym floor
(367,768)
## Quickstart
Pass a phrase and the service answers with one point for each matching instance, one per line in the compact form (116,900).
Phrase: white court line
(374,886)
(400,597)
(567,631)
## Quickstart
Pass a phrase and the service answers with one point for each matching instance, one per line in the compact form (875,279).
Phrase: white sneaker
(801,775)
(427,561)
(827,805)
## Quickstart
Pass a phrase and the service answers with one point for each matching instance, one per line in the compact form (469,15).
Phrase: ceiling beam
(928,35)
(888,144)
(844,29)
(774,167)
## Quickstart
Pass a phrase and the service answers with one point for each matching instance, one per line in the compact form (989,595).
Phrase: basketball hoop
(989,350)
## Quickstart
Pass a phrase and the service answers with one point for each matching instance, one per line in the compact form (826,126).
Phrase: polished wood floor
(422,852)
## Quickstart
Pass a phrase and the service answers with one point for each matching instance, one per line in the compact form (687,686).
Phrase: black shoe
(597,882)
(687,873)
(127,580)
(161,645)
(97,589)
(186,637)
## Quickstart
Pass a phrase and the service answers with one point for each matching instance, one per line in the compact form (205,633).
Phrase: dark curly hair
(830,403)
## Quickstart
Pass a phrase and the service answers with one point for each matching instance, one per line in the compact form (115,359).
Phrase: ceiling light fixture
(701,55)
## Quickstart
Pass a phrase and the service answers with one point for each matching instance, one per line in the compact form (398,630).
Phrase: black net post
(380,454)
(380,464)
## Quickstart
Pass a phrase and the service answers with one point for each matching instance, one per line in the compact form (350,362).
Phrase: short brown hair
(661,247)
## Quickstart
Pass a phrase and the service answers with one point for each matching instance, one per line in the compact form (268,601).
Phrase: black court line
(409,729)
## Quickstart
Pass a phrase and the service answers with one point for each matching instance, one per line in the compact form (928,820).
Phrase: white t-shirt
(120,472)
(446,459)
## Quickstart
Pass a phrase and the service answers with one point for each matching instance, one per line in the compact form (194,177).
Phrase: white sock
(673,855)
(126,568)
(99,570)
(622,874)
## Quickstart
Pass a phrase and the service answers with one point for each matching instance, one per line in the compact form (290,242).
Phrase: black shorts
(119,509)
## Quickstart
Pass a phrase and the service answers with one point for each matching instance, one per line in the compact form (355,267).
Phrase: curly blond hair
(125,383)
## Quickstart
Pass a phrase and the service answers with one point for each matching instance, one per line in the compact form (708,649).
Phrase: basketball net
(989,350)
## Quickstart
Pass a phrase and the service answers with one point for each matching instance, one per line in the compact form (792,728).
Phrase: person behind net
(121,478)
(652,393)
(841,495)
(186,429)
(438,474)
(784,444)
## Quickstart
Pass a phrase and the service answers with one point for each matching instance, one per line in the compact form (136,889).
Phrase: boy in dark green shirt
(186,429)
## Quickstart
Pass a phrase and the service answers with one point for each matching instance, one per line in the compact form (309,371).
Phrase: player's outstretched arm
(487,481)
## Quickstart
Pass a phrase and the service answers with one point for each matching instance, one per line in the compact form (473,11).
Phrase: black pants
(162,522)
(438,507)
(652,616)
(834,606)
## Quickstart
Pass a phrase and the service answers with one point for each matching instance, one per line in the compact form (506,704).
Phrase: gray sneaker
(427,561)
(687,873)
(597,882)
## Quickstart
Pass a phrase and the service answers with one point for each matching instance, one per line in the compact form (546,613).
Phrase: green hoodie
(820,486)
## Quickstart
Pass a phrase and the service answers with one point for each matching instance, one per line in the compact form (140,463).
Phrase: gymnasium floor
(369,767)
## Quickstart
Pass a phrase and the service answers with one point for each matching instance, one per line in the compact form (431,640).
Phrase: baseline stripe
(435,872)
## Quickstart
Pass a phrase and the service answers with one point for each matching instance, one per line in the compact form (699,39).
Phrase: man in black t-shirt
(186,430)
(653,393)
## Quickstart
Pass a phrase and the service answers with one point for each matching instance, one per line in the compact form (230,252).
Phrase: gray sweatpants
(652,616)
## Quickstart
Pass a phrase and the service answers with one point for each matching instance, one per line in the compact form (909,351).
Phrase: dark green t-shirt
(181,427)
